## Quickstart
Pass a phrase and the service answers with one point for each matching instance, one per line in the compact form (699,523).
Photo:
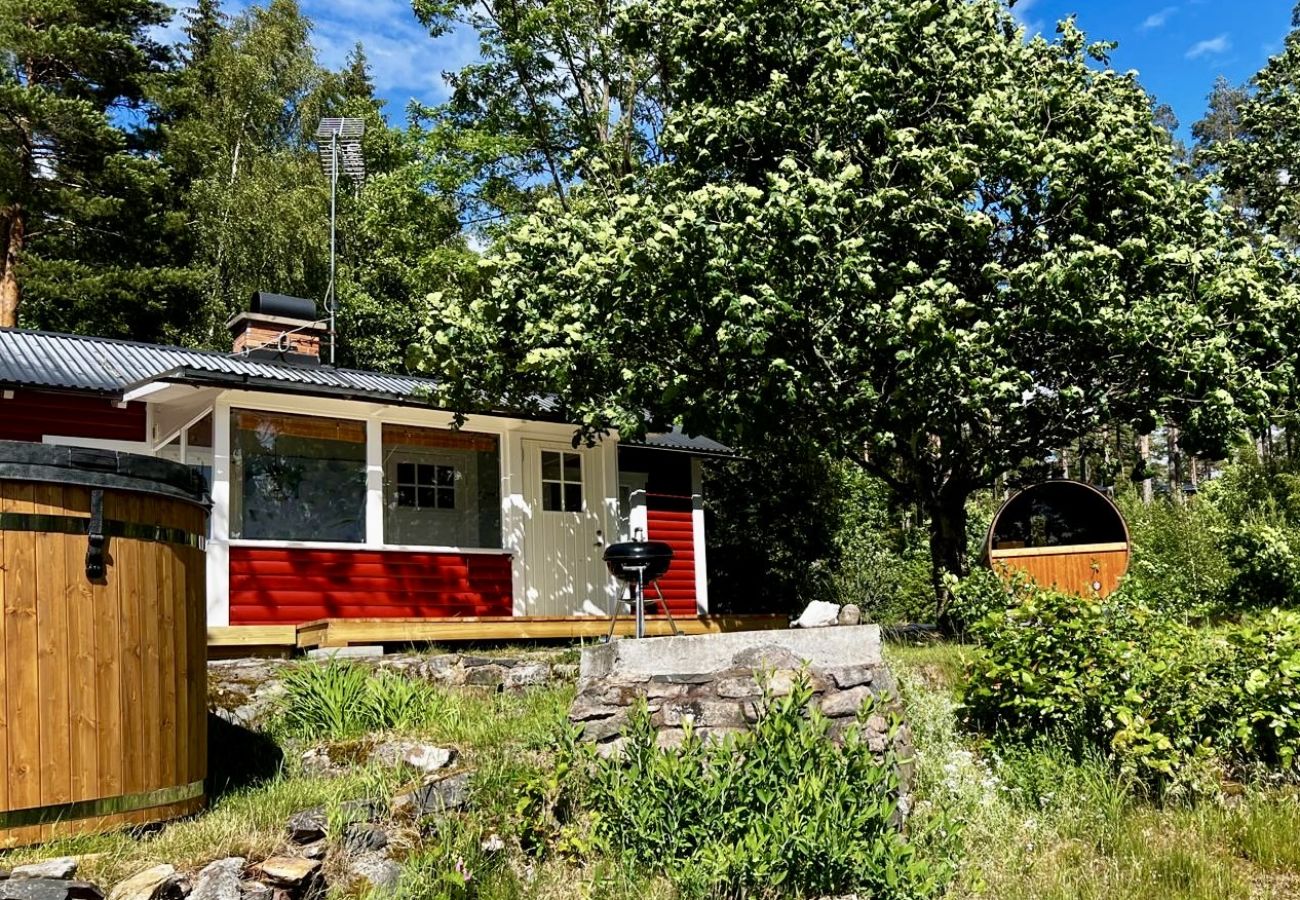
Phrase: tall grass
(1044,823)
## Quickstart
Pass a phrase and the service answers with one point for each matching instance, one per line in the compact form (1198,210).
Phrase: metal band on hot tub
(52,524)
(102,806)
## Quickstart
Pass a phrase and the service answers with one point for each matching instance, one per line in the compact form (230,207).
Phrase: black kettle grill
(636,564)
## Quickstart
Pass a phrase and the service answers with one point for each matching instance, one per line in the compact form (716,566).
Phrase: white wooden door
(564,539)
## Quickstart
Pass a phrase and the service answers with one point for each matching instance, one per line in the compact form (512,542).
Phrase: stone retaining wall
(712,683)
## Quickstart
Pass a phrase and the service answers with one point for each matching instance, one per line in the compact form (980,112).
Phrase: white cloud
(1214,46)
(405,61)
(1158,19)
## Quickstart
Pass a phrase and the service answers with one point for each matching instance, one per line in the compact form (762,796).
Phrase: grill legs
(636,599)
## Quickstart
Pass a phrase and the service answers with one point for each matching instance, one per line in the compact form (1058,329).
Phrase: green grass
(1042,825)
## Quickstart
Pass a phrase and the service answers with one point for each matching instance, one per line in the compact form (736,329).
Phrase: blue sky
(1177,46)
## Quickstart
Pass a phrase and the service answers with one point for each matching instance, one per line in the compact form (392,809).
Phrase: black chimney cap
(284,306)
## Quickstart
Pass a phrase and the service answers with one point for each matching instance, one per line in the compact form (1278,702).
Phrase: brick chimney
(280,328)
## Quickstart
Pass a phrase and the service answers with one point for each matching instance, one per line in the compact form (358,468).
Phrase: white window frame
(563,481)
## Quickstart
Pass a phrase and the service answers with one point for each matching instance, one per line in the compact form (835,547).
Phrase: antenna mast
(341,154)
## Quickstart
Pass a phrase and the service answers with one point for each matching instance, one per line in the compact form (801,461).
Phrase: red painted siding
(31,415)
(670,519)
(288,586)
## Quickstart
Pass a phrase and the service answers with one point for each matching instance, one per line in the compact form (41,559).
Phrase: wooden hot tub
(103,692)
(1062,534)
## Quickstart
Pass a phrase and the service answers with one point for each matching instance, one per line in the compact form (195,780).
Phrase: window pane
(573,498)
(552,496)
(550,466)
(406,473)
(297,478)
(572,467)
(405,495)
(456,479)
(200,434)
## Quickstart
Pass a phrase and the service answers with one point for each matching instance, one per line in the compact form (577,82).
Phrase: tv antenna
(338,142)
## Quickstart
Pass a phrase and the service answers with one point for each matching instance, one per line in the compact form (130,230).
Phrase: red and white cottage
(345,508)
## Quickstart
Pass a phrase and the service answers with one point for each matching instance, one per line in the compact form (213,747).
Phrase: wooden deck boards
(343,632)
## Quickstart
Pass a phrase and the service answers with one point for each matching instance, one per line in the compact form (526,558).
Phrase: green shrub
(1168,703)
(1177,561)
(780,810)
(1265,564)
(1260,713)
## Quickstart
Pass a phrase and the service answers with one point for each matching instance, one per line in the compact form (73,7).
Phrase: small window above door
(561,481)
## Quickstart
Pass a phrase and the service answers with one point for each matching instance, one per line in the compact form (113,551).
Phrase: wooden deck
(345,632)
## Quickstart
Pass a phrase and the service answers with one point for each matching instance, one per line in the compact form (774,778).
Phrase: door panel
(564,537)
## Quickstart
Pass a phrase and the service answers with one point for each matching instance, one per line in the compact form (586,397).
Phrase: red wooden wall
(288,586)
(669,519)
(31,415)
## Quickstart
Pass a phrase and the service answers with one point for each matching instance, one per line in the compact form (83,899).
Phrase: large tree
(80,210)
(897,228)
(558,96)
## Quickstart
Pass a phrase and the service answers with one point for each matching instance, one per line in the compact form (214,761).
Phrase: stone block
(219,880)
(583,710)
(844,703)
(737,687)
(58,867)
(359,651)
(486,676)
(822,648)
(850,614)
(154,883)
(700,714)
(852,676)
(48,889)
(818,614)
(289,871)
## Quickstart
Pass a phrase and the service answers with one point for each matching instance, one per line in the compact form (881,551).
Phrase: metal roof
(114,367)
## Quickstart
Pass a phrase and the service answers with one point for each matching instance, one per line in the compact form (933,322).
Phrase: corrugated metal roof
(110,366)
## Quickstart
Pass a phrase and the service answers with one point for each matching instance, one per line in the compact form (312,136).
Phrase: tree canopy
(899,229)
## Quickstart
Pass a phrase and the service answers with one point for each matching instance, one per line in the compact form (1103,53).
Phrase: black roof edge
(204,378)
(686,451)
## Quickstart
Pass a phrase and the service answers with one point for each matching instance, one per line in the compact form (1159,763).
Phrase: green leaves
(779,810)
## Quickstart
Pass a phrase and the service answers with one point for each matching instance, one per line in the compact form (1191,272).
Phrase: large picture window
(297,478)
(442,488)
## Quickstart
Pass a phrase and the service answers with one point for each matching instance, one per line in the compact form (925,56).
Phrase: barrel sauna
(103,691)
(1062,534)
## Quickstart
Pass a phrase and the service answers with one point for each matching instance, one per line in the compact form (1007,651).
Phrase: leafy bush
(1177,560)
(1262,711)
(340,700)
(1167,702)
(780,810)
(1265,564)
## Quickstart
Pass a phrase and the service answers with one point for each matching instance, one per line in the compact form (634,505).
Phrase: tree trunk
(947,550)
(10,293)
(1144,453)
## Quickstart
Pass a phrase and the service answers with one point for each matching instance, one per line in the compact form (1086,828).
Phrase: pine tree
(66,169)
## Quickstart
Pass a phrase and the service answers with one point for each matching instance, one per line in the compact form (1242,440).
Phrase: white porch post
(219,542)
(514,517)
(374,481)
(609,453)
(697,532)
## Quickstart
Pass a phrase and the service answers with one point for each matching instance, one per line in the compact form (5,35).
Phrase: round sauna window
(1061,534)
(1057,514)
